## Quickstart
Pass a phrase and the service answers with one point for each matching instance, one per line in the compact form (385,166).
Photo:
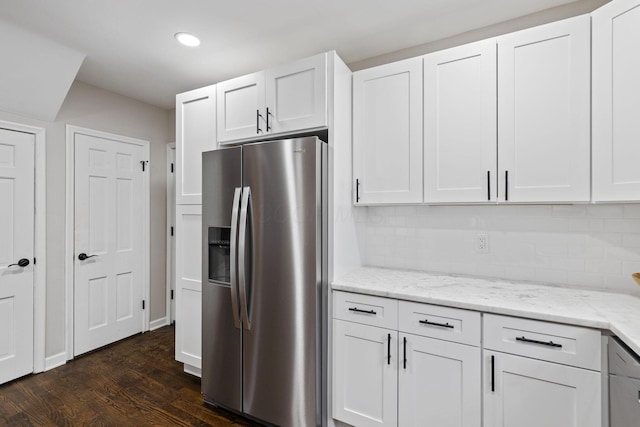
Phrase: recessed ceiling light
(187,39)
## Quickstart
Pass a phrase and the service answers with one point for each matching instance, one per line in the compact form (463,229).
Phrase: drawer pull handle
(388,349)
(442,325)
(357,310)
(405,353)
(547,343)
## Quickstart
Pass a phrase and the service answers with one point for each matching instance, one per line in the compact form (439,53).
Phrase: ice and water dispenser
(219,239)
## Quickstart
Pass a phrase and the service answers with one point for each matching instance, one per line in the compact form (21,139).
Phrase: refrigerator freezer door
(281,350)
(221,339)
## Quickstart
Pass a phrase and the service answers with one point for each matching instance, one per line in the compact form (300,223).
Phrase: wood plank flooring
(135,382)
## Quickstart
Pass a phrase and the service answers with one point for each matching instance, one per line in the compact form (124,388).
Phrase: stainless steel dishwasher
(624,385)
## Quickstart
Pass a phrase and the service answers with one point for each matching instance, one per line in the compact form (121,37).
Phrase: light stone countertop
(618,313)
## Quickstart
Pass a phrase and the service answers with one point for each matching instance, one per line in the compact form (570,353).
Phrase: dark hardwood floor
(135,382)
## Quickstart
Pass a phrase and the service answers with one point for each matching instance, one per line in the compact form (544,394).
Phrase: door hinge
(171,167)
(171,293)
(143,304)
(172,230)
(144,164)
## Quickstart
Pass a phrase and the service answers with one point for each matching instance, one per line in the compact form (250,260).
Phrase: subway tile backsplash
(593,246)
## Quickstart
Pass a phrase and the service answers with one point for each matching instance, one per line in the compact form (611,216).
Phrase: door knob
(84,256)
(22,263)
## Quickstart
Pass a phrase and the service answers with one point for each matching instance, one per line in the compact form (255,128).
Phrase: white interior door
(108,286)
(16,245)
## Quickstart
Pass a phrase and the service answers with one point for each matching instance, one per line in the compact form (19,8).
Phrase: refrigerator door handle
(233,256)
(242,274)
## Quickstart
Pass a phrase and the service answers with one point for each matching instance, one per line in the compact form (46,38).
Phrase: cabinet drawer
(366,309)
(569,345)
(451,324)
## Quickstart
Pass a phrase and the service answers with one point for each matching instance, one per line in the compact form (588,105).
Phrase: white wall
(593,246)
(543,17)
(91,107)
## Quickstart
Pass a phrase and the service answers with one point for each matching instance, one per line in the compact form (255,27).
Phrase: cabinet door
(195,133)
(532,393)
(296,96)
(365,388)
(189,285)
(439,384)
(241,107)
(460,124)
(544,114)
(387,133)
(616,101)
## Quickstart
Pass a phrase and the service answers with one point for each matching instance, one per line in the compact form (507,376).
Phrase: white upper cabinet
(289,98)
(195,133)
(544,113)
(460,124)
(387,133)
(239,103)
(297,95)
(616,101)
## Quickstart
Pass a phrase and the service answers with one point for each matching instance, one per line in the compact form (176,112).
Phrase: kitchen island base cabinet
(365,374)
(525,392)
(438,383)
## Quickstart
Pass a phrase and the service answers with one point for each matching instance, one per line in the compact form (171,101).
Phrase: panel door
(108,287)
(365,388)
(544,114)
(616,101)
(240,111)
(460,131)
(195,133)
(532,393)
(387,133)
(189,285)
(296,95)
(16,243)
(439,384)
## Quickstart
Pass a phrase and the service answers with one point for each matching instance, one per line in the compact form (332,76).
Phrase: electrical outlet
(482,243)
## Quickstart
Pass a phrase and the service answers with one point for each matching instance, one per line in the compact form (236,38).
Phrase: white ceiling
(131,50)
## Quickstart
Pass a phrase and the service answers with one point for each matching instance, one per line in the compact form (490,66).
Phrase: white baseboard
(55,361)
(193,370)
(158,323)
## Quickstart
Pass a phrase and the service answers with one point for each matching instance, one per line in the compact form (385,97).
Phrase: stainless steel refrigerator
(264,217)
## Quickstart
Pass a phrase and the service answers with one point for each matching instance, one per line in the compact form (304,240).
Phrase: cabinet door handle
(388,349)
(489,185)
(258,115)
(506,186)
(493,373)
(547,343)
(442,325)
(357,190)
(404,344)
(268,114)
(358,310)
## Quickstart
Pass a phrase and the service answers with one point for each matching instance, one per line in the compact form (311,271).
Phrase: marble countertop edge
(618,313)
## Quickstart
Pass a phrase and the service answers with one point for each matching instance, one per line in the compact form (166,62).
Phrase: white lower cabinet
(438,383)
(551,378)
(407,364)
(189,285)
(525,392)
(365,374)
(386,377)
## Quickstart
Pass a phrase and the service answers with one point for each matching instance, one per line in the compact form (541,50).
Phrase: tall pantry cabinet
(195,133)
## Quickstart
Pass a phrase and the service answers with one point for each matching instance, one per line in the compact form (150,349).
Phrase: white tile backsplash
(594,246)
